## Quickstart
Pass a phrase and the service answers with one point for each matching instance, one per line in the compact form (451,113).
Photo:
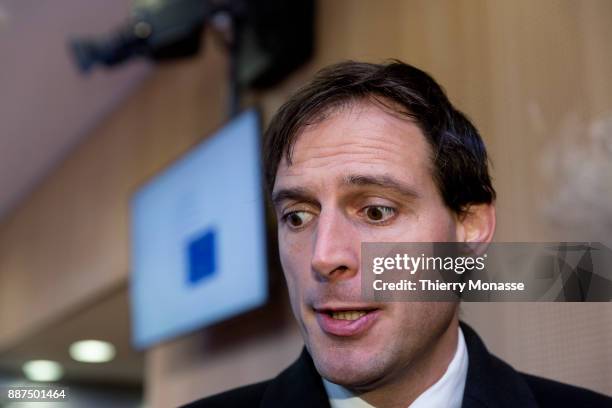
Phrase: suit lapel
(491,382)
(299,386)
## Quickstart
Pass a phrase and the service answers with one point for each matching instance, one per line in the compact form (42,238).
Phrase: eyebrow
(385,182)
(352,180)
(293,193)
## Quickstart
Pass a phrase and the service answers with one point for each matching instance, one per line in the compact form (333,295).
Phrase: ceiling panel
(46,106)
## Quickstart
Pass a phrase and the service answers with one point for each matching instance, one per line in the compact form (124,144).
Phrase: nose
(336,248)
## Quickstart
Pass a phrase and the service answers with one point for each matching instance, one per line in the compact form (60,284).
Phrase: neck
(418,376)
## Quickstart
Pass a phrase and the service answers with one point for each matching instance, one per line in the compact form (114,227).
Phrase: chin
(348,366)
(361,377)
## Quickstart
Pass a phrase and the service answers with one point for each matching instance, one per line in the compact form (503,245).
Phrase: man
(377,153)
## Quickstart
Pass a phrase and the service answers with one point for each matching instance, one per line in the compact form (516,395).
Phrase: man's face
(362,174)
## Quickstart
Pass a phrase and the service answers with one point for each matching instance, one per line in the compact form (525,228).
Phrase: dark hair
(459,156)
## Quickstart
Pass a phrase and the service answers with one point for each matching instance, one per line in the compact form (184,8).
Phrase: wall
(524,71)
(69,240)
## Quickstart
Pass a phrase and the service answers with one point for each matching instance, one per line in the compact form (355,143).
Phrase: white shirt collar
(447,392)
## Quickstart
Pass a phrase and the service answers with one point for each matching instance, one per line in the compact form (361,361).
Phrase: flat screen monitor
(198,237)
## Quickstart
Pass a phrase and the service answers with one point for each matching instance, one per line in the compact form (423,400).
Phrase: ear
(476,226)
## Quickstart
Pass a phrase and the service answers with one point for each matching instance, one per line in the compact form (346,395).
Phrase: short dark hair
(460,163)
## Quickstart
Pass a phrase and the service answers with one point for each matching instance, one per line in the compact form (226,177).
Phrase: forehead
(363,139)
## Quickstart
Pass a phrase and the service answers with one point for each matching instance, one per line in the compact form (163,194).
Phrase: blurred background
(87,128)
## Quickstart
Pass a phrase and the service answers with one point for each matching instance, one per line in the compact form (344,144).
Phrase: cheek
(437,225)
(421,322)
(294,248)
(295,261)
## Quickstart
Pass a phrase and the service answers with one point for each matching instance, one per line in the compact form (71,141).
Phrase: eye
(379,214)
(297,219)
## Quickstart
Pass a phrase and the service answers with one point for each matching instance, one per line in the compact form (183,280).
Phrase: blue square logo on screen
(202,262)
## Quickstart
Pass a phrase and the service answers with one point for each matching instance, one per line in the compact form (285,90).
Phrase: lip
(346,328)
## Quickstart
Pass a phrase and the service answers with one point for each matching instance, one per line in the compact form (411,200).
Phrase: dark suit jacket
(490,383)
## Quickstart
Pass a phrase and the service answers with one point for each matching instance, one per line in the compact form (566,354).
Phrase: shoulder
(492,382)
(246,396)
(298,386)
(549,393)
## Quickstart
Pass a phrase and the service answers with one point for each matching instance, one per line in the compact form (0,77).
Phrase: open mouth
(346,315)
